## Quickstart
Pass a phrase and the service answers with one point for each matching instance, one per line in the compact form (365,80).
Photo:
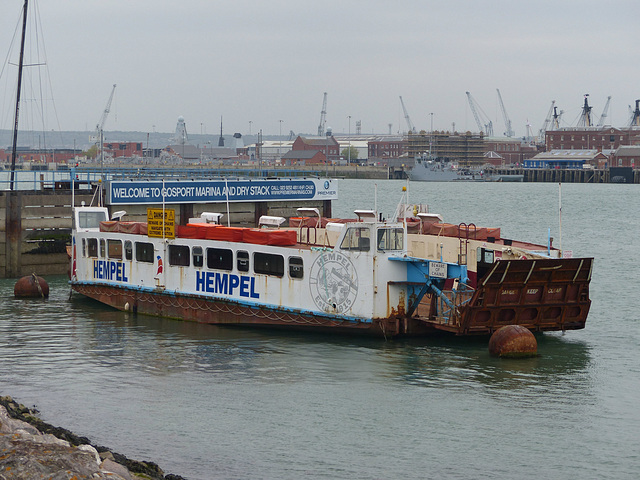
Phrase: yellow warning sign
(155,222)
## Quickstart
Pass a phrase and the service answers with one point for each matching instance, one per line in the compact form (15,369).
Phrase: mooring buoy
(31,286)
(513,341)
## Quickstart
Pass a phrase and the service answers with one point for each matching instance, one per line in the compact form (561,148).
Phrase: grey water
(209,402)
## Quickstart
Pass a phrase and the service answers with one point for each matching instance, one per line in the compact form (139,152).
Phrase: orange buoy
(31,286)
(513,341)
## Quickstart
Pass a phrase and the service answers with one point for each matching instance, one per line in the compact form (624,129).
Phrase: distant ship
(431,169)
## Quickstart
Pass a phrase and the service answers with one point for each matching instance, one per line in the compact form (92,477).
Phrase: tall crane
(507,121)
(545,124)
(410,126)
(477,112)
(100,125)
(555,125)
(323,116)
(605,110)
(105,114)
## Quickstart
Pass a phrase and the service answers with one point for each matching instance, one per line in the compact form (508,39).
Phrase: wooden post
(13,230)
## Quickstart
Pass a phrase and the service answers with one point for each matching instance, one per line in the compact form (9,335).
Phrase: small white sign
(438,270)
(567,254)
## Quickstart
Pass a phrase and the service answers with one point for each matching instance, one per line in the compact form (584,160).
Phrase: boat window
(91,219)
(92,247)
(268,264)
(179,255)
(84,247)
(242,261)
(296,267)
(198,257)
(356,238)
(390,239)
(144,252)
(115,248)
(128,250)
(102,248)
(219,258)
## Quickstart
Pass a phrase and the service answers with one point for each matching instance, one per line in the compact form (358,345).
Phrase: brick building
(510,151)
(626,156)
(304,157)
(384,148)
(587,138)
(321,144)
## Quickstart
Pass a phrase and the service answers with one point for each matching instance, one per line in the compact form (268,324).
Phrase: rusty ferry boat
(414,275)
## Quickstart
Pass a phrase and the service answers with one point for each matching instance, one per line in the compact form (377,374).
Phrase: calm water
(218,403)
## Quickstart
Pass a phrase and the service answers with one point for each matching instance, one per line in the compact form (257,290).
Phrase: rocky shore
(31,448)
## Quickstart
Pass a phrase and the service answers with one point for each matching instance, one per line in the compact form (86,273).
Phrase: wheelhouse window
(144,252)
(268,264)
(390,239)
(179,255)
(356,238)
(128,250)
(114,248)
(242,261)
(198,257)
(103,248)
(219,259)
(91,219)
(296,267)
(92,247)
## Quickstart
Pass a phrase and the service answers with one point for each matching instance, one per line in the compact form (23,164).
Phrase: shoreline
(41,435)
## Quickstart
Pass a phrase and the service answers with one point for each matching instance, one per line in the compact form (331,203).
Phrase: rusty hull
(541,295)
(225,312)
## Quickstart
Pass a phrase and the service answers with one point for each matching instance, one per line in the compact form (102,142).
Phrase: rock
(31,448)
(113,467)
(27,453)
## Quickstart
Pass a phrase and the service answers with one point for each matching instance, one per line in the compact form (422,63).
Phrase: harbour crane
(323,116)
(556,118)
(410,126)
(107,109)
(507,120)
(477,112)
(605,110)
(545,125)
(101,122)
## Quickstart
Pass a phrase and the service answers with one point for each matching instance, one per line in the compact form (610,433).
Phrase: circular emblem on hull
(333,281)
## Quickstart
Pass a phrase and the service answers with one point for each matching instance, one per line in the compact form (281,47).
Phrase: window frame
(224,261)
(268,264)
(296,267)
(142,252)
(179,255)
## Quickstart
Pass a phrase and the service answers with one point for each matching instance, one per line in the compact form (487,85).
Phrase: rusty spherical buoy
(513,341)
(31,286)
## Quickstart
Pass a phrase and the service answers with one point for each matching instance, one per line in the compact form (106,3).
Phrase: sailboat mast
(20,65)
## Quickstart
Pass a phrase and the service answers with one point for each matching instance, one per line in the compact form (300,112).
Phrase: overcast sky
(266,61)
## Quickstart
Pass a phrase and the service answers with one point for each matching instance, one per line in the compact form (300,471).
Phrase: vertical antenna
(560,213)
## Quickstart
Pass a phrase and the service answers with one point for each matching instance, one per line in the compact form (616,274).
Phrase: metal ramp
(433,277)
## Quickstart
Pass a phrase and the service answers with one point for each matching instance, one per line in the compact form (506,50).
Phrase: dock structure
(35,225)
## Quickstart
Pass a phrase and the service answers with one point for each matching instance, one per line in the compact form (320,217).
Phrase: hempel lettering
(109,270)
(225,283)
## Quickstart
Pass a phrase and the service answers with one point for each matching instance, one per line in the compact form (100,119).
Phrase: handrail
(41,179)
